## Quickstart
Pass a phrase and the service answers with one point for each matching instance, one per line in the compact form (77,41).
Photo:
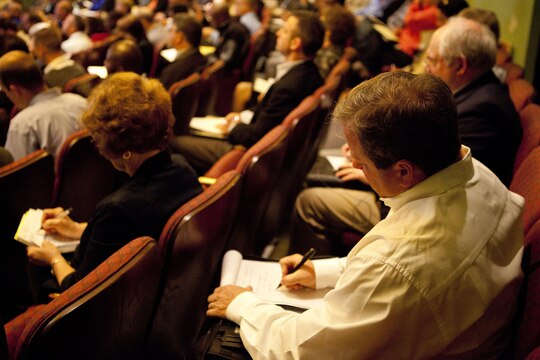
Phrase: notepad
(29,232)
(264,277)
(210,126)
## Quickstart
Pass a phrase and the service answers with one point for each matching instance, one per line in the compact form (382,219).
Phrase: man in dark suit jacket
(462,53)
(297,78)
(185,37)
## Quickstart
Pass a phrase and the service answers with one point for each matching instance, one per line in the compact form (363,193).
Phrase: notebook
(209,126)
(30,232)
(264,276)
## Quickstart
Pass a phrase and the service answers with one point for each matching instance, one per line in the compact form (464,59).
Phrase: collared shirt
(47,121)
(59,63)
(439,277)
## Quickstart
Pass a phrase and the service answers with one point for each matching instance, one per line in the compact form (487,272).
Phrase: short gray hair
(474,41)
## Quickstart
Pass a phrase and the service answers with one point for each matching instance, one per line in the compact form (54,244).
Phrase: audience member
(46,117)
(59,68)
(128,117)
(323,214)
(487,123)
(61,10)
(340,25)
(77,40)
(438,278)
(421,15)
(379,8)
(96,29)
(185,36)
(232,44)
(299,39)
(488,18)
(462,53)
(133,27)
(122,56)
(246,10)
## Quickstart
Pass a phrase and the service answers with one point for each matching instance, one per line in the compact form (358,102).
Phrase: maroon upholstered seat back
(530,122)
(525,182)
(103,316)
(83,176)
(185,99)
(209,88)
(24,184)
(305,126)
(521,92)
(192,245)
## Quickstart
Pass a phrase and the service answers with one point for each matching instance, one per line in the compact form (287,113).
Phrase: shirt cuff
(328,271)
(241,302)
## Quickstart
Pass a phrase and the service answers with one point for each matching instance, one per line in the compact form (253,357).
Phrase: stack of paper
(264,277)
(210,126)
(30,232)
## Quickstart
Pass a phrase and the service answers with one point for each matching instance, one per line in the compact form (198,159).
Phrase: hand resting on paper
(44,255)
(221,298)
(63,225)
(303,277)
(232,119)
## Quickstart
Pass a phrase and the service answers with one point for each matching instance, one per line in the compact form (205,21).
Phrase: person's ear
(407,174)
(461,65)
(296,44)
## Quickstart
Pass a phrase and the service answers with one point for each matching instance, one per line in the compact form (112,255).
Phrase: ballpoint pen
(63,214)
(307,256)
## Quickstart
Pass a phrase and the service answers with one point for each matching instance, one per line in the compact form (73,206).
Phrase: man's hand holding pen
(303,277)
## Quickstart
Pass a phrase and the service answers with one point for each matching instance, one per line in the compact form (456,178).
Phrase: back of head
(470,39)
(50,38)
(341,24)
(127,112)
(124,55)
(19,68)
(486,17)
(10,42)
(310,30)
(190,27)
(401,116)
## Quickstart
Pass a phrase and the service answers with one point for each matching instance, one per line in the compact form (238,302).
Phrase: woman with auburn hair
(128,117)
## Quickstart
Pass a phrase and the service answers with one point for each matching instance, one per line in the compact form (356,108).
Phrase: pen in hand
(307,256)
(63,214)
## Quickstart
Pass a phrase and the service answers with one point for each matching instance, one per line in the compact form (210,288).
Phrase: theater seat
(525,182)
(83,176)
(192,245)
(530,123)
(185,99)
(24,184)
(521,92)
(103,316)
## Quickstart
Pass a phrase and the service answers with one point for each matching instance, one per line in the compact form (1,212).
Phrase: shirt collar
(45,95)
(284,68)
(58,63)
(450,177)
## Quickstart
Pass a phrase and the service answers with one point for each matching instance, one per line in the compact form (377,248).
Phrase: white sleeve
(328,271)
(360,319)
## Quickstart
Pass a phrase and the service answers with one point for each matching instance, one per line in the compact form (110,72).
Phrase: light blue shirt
(47,121)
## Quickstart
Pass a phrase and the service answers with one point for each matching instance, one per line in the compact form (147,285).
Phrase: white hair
(470,39)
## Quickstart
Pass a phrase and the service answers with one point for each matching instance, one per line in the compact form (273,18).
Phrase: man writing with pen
(439,277)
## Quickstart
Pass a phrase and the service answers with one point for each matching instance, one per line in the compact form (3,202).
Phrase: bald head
(124,55)
(19,68)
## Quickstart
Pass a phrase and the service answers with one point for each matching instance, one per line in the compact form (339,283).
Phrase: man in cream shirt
(439,277)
